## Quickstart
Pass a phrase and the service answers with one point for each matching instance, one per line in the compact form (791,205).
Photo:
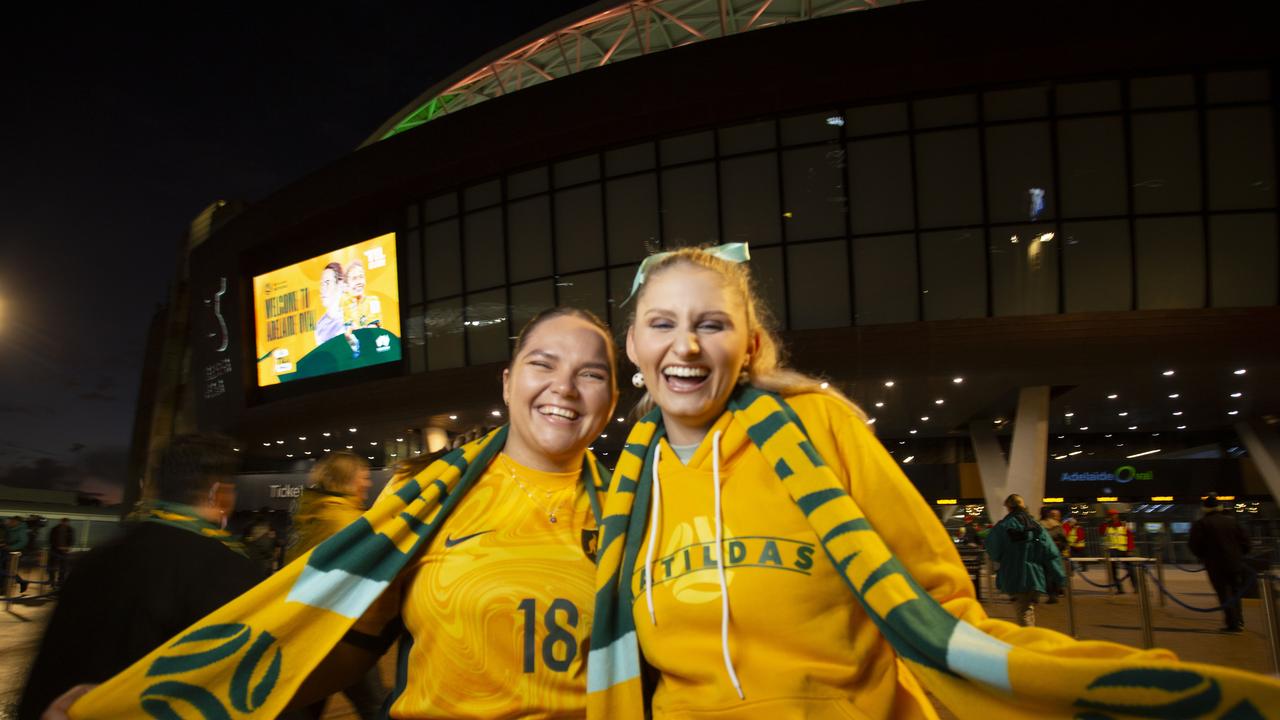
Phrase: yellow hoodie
(800,645)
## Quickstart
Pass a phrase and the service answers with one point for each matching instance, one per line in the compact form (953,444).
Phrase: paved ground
(1099,616)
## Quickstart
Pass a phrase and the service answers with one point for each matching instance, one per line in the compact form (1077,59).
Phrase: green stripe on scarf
(185,517)
(978,673)
(249,657)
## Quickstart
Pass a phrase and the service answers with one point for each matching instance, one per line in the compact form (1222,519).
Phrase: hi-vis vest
(1117,537)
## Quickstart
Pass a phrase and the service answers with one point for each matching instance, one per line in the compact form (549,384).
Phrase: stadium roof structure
(601,34)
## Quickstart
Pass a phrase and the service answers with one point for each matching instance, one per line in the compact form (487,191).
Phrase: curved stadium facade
(981,220)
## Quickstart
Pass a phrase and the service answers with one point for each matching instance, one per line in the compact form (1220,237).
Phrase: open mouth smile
(685,378)
(557,413)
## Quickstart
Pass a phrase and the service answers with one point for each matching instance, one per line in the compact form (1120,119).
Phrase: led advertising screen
(338,311)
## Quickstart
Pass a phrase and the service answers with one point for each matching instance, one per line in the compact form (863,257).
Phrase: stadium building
(1037,242)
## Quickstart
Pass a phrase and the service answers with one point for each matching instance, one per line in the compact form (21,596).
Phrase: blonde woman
(765,556)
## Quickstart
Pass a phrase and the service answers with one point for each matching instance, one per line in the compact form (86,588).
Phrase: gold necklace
(550,510)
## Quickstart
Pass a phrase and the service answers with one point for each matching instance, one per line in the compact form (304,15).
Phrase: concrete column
(1263,444)
(1024,472)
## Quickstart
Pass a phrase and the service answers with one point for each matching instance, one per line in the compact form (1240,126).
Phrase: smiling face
(560,393)
(355,279)
(691,339)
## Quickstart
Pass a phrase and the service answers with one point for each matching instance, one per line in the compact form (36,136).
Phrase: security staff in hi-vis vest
(1118,541)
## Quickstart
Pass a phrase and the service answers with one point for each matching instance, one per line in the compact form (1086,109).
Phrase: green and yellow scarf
(184,517)
(248,658)
(974,674)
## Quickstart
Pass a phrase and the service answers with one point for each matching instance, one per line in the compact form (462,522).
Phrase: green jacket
(1026,555)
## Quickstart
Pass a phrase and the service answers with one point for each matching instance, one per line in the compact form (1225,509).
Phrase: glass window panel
(482,195)
(944,111)
(817,127)
(620,279)
(1024,274)
(529,182)
(884,279)
(529,238)
(1097,266)
(1019,173)
(442,206)
(629,159)
(876,119)
(689,205)
(577,170)
(412,215)
(818,283)
(953,272)
(1242,171)
(482,248)
(1166,162)
(528,300)
(1242,86)
(584,290)
(880,179)
(1170,262)
(1091,162)
(813,189)
(1016,104)
(1088,97)
(579,229)
(948,178)
(444,260)
(687,148)
(1164,91)
(415,342)
(1242,255)
(766,269)
(747,138)
(486,326)
(632,215)
(445,334)
(413,265)
(749,199)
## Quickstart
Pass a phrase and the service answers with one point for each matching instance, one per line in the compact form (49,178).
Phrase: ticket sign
(334,312)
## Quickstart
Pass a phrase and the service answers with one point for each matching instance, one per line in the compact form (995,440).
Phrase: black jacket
(125,599)
(1218,540)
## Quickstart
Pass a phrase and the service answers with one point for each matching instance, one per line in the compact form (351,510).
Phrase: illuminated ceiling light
(1123,414)
(351,429)
(236,449)
(326,434)
(288,454)
(266,444)
(939,401)
(302,437)
(1233,412)
(1013,239)
(902,442)
(1046,237)
(620,420)
(1084,427)
(350,447)
(957,379)
(1177,413)
(417,452)
(787,215)
(908,458)
(604,435)
(1148,452)
(373,442)
(924,418)
(1173,396)
(1155,434)
(913,432)
(1060,437)
(1241,371)
(1167,373)
(880,404)
(1133,427)
(835,121)
(393,455)
(1119,444)
(279,442)
(871,421)
(369,456)
(1182,427)
(825,385)
(326,449)
(1236,395)
(1069,415)
(453,417)
(888,383)
(399,439)
(1112,396)
(1059,457)
(1077,452)
(307,452)
(1107,435)
(496,413)
(997,421)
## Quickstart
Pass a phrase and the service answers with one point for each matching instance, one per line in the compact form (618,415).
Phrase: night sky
(119,125)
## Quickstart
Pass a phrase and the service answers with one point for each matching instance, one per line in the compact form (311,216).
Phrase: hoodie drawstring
(724,583)
(653,535)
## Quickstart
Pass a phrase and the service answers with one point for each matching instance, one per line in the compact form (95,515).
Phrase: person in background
(164,573)
(1117,538)
(260,543)
(1221,544)
(330,323)
(62,538)
(17,538)
(1075,537)
(1028,558)
(335,496)
(1051,521)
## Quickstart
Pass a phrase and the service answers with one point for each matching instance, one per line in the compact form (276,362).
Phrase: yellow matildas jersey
(361,312)
(499,604)
(801,646)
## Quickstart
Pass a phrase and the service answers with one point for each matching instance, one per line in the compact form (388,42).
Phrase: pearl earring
(638,379)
